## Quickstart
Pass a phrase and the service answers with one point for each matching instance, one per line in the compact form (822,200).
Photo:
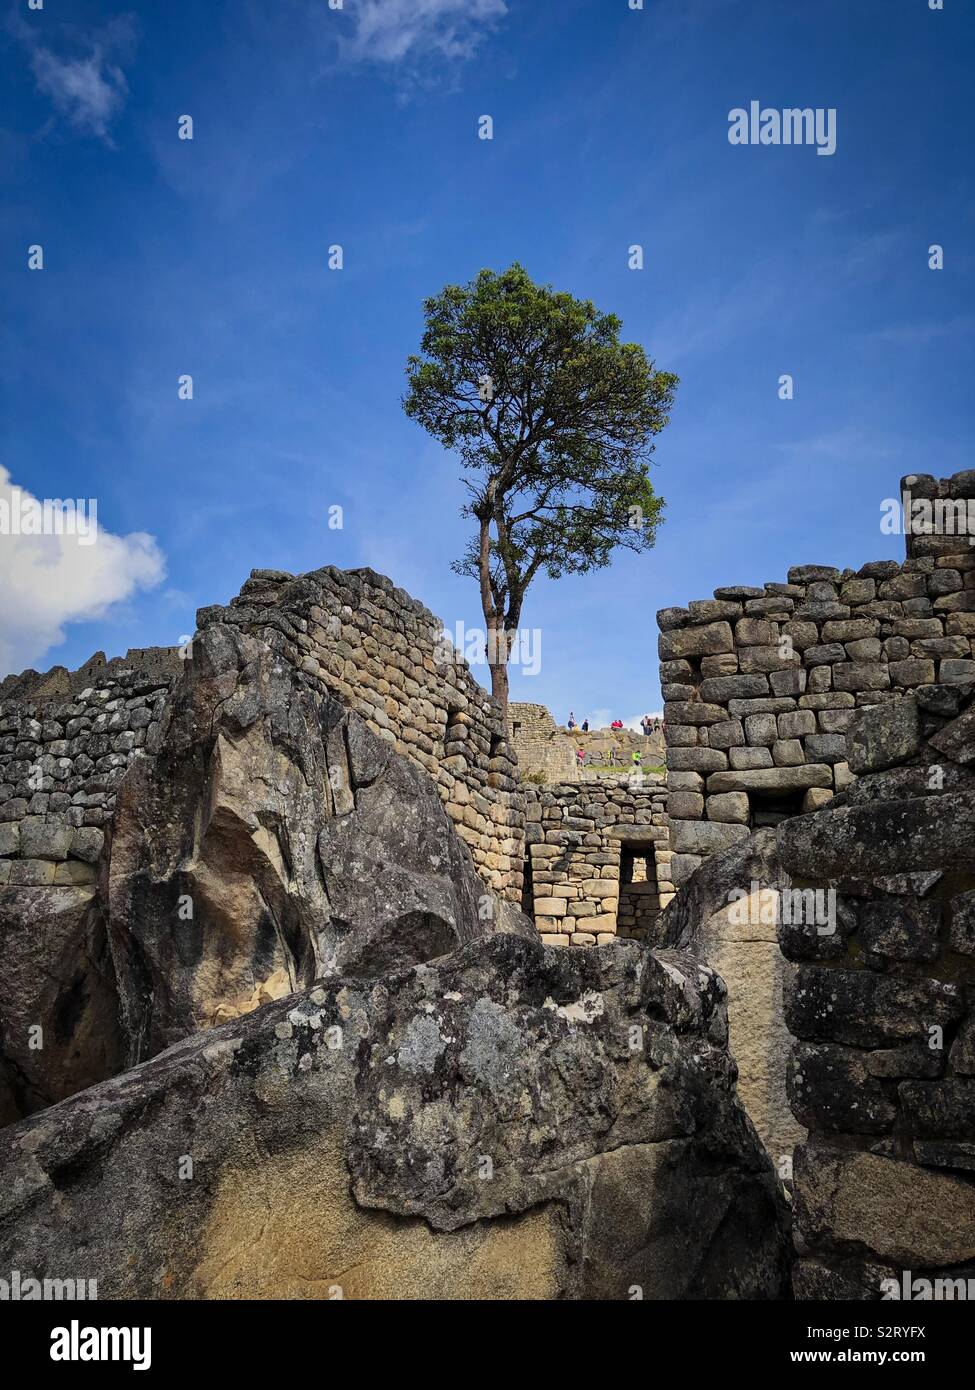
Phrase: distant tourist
(585,726)
(616,724)
(637,759)
(646,724)
(572,721)
(580,757)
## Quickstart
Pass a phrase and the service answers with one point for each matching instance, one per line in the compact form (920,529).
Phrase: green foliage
(553,418)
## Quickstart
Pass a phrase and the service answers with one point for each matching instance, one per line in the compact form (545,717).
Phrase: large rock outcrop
(272,840)
(262,839)
(513,1121)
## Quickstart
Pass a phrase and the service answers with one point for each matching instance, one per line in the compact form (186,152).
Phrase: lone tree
(553,418)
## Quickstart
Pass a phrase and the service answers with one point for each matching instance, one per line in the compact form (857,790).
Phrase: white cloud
(598,718)
(88,89)
(49,580)
(389,31)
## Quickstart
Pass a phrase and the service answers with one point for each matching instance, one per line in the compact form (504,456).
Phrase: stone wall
(760,685)
(541,747)
(881,1005)
(65,746)
(159,663)
(384,655)
(598,860)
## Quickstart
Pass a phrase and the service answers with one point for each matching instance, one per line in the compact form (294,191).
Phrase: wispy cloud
(920,334)
(394,31)
(49,580)
(88,87)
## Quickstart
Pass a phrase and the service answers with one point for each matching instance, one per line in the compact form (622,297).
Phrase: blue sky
(358,126)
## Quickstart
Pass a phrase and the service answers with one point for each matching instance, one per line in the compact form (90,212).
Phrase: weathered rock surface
(513,1121)
(727,914)
(59,1028)
(273,840)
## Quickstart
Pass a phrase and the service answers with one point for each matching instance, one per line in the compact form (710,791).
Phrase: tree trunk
(497,637)
(499,682)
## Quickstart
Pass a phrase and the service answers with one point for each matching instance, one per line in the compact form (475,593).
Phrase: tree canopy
(554,419)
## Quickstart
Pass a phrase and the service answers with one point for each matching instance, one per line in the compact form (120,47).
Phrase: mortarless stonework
(539,744)
(882,1011)
(66,741)
(442,1106)
(598,862)
(761,684)
(67,738)
(383,655)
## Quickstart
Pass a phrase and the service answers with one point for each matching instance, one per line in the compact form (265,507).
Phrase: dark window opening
(637,864)
(770,810)
(528,890)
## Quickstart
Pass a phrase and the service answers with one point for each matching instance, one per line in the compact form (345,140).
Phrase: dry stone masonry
(289,969)
(761,684)
(598,861)
(541,747)
(882,1009)
(66,740)
(356,993)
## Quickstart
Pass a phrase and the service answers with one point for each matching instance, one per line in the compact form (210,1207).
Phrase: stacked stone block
(761,684)
(882,1007)
(61,762)
(578,834)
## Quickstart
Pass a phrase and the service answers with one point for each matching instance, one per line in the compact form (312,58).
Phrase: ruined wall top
(760,683)
(160,663)
(938,513)
(542,749)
